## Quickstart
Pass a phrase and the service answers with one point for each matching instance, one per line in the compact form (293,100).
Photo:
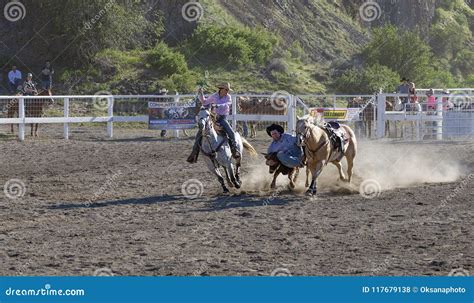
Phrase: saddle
(337,135)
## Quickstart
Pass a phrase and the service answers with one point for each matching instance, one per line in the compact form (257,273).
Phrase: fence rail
(438,118)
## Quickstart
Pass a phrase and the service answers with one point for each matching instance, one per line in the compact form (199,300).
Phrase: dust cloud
(389,165)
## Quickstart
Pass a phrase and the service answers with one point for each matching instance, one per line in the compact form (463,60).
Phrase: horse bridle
(304,136)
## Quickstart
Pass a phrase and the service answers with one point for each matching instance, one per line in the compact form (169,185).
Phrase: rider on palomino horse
(222,100)
(285,145)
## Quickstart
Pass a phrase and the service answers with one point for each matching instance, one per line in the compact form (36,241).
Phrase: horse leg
(297,172)
(213,168)
(227,177)
(238,164)
(339,168)
(36,129)
(230,168)
(307,176)
(369,126)
(275,175)
(290,178)
(315,173)
(32,127)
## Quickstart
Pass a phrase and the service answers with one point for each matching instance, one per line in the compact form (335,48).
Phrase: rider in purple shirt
(223,101)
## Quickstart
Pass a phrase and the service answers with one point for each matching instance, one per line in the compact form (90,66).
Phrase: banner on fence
(171,115)
(339,114)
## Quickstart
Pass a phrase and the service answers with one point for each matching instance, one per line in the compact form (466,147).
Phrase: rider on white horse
(285,145)
(222,100)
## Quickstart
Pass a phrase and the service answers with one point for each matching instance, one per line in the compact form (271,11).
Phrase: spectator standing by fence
(404,88)
(14,79)
(47,76)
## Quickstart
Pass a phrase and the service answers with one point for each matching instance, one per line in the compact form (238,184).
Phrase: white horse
(217,151)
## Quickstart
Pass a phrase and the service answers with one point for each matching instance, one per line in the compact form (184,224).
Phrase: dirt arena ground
(96,206)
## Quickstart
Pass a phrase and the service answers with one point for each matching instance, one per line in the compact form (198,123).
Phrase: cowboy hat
(224,86)
(276,127)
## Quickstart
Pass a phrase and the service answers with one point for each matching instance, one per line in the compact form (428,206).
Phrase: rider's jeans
(228,129)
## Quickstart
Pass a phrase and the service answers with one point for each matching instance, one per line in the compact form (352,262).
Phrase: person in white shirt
(14,79)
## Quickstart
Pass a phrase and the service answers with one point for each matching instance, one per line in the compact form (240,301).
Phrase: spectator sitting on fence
(47,76)
(14,79)
(29,87)
(404,88)
(430,100)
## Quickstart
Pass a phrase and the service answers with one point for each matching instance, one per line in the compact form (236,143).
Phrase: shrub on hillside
(231,45)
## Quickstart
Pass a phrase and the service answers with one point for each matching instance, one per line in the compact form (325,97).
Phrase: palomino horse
(33,108)
(320,151)
(217,150)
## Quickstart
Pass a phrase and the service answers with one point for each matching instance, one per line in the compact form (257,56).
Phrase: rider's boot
(195,153)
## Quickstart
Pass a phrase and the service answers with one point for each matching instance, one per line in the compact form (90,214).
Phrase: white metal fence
(67,110)
(450,116)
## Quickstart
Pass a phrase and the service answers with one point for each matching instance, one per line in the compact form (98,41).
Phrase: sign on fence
(170,116)
(339,114)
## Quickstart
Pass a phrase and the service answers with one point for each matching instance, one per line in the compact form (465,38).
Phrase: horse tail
(249,148)
(353,137)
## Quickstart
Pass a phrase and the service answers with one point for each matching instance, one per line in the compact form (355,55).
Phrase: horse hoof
(292,185)
(310,192)
(226,190)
